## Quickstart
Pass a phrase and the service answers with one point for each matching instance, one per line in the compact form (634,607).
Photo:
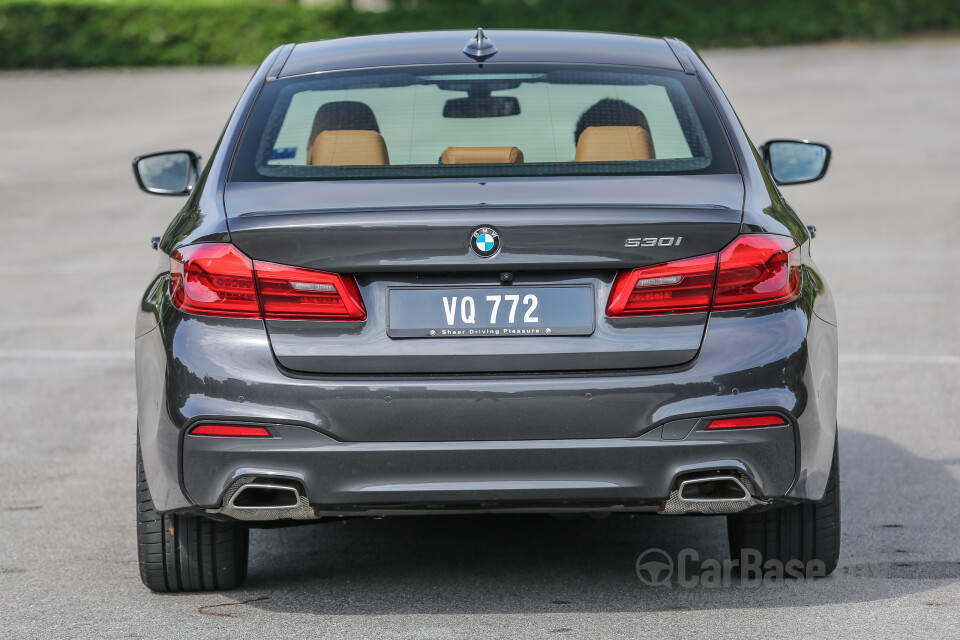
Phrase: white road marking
(889,358)
(825,257)
(64,354)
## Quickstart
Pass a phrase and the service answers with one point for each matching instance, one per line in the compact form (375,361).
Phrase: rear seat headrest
(345,114)
(612,112)
(481,155)
(613,144)
(341,115)
(348,147)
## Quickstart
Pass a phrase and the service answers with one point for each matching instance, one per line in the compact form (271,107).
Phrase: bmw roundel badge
(485,242)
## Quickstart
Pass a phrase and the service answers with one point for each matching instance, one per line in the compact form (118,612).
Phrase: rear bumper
(571,439)
(398,476)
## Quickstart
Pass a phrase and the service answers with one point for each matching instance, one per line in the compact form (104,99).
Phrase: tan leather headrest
(481,155)
(610,144)
(347,147)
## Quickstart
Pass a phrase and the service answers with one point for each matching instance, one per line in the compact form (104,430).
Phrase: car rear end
(473,288)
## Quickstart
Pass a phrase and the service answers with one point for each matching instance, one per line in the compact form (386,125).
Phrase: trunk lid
(408,243)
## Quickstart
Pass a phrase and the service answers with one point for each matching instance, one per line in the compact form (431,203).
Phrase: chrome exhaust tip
(264,495)
(713,489)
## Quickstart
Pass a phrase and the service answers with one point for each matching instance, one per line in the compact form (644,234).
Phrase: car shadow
(537,563)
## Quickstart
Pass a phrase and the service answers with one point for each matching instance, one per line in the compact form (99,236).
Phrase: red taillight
(213,280)
(291,293)
(747,422)
(217,279)
(683,286)
(757,271)
(230,431)
(753,271)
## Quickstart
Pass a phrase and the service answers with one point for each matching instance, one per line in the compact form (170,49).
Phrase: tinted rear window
(489,121)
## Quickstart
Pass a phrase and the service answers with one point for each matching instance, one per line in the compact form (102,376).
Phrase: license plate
(490,312)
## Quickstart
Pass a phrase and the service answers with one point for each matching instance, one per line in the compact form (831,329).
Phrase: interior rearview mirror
(795,161)
(481,107)
(167,173)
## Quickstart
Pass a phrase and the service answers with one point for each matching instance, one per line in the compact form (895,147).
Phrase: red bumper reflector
(747,422)
(230,430)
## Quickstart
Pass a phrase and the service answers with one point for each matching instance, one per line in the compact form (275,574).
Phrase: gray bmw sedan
(468,272)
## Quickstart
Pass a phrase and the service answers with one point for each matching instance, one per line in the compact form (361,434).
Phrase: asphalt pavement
(75,257)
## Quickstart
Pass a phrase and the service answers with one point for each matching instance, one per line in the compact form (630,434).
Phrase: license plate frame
(401,322)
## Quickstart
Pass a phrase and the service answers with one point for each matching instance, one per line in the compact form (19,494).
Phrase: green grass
(94,33)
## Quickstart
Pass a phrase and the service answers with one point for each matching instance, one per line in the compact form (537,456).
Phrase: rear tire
(186,553)
(802,532)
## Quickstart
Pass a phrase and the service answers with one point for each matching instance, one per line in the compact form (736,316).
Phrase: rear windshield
(481,121)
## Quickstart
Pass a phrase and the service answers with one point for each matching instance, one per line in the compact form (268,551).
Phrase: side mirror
(168,173)
(795,161)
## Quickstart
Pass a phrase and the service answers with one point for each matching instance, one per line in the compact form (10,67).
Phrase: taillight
(213,280)
(217,279)
(757,271)
(753,271)
(683,286)
(230,431)
(747,422)
(291,293)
